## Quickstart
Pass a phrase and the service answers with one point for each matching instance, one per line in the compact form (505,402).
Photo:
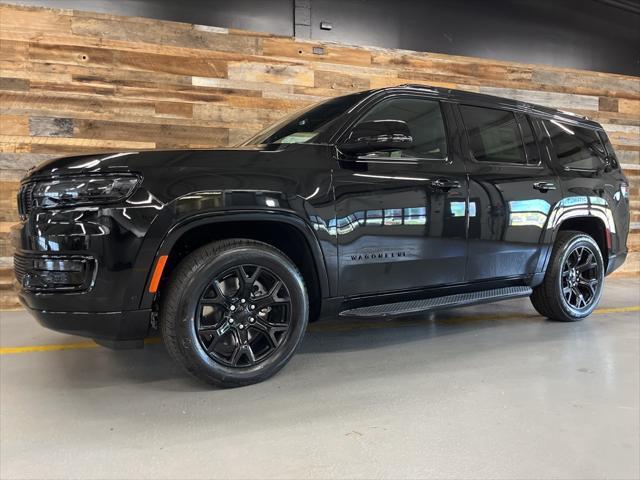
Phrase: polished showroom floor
(492,391)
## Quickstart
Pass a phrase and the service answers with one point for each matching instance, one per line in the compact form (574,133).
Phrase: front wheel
(572,285)
(234,312)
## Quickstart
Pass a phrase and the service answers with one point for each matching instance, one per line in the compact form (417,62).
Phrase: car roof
(473,97)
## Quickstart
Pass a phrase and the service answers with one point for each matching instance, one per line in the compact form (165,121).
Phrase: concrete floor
(483,392)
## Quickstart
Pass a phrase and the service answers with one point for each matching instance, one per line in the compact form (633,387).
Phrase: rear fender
(573,208)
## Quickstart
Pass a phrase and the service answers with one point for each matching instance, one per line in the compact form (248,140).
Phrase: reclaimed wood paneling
(73,82)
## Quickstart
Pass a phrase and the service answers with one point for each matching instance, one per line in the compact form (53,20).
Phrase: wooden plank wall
(74,81)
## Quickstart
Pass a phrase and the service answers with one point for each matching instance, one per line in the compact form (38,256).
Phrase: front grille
(25,198)
(20,266)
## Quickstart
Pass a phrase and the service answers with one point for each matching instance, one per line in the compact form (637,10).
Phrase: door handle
(444,184)
(544,186)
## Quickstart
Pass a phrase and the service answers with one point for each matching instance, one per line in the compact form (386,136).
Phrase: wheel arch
(593,225)
(285,231)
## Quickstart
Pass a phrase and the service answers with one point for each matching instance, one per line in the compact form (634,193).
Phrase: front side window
(424,119)
(494,135)
(576,148)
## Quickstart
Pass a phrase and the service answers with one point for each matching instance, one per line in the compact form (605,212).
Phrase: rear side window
(494,135)
(424,119)
(577,148)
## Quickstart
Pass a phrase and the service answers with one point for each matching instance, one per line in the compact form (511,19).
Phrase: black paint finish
(375,229)
(599,35)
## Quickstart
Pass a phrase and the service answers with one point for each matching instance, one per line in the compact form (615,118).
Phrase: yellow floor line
(48,348)
(62,346)
(618,309)
(317,328)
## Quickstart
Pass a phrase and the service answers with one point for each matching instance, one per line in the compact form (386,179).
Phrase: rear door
(401,215)
(512,191)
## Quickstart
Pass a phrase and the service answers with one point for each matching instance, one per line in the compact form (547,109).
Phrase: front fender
(215,206)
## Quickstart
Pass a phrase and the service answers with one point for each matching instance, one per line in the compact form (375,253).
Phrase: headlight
(82,190)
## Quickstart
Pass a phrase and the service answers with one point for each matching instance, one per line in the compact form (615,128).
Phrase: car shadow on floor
(153,366)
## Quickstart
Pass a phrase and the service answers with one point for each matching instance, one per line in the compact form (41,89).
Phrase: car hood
(138,161)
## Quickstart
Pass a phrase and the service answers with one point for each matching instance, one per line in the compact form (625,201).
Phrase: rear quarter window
(577,148)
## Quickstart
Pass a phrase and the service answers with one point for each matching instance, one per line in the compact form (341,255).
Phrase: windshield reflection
(306,125)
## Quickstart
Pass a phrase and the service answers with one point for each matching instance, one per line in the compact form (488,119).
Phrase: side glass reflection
(531,212)
(377,218)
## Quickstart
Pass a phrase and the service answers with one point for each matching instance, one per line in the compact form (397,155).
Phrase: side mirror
(378,135)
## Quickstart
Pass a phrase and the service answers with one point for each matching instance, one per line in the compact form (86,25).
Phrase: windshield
(303,126)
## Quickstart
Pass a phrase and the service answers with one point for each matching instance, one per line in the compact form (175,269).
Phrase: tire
(212,330)
(567,277)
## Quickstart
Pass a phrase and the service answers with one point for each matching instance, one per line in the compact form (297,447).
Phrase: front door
(401,215)
(512,192)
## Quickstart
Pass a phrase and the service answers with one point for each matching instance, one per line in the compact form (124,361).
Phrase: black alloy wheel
(580,277)
(243,316)
(234,312)
(574,279)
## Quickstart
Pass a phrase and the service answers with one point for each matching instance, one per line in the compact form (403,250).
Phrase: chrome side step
(437,303)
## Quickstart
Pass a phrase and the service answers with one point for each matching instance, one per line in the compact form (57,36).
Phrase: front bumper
(83,270)
(112,329)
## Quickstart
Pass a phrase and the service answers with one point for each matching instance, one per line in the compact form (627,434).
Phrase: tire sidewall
(201,277)
(579,240)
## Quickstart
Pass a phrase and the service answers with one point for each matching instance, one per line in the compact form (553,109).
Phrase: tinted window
(424,119)
(494,135)
(576,147)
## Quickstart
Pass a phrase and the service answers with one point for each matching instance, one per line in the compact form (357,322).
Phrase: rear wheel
(235,312)
(573,283)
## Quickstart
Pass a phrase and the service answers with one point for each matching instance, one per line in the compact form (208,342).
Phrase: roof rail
(521,103)
(417,85)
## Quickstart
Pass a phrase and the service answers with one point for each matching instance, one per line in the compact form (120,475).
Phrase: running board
(437,303)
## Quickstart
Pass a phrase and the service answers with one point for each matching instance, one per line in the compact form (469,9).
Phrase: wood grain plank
(16,143)
(340,81)
(14,125)
(51,127)
(34,21)
(547,99)
(124,59)
(631,107)
(314,52)
(174,109)
(18,162)
(15,51)
(606,104)
(224,114)
(270,73)
(618,86)
(48,104)
(18,84)
(165,133)
(165,33)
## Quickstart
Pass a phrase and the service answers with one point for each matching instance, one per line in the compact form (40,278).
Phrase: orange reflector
(157,274)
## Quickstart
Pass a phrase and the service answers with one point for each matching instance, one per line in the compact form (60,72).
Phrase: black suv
(385,202)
